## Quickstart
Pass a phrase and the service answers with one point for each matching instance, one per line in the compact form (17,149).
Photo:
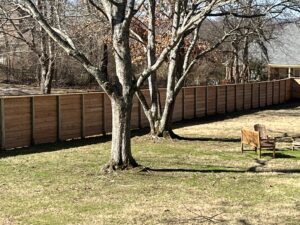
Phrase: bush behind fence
(29,120)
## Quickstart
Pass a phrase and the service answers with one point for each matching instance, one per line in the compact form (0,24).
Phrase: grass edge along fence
(30,120)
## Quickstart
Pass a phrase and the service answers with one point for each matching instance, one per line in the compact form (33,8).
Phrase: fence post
(2,121)
(32,109)
(82,107)
(58,114)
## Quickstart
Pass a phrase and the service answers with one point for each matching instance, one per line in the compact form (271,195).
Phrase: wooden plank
(255,95)
(269,93)
(211,100)
(18,124)
(70,116)
(94,114)
(2,121)
(282,91)
(32,106)
(135,113)
(230,98)
(200,101)
(239,97)
(221,99)
(276,92)
(82,119)
(189,103)
(247,96)
(263,94)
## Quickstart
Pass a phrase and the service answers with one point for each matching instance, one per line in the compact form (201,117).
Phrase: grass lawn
(205,180)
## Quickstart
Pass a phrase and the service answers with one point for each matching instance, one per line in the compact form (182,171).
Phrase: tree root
(112,166)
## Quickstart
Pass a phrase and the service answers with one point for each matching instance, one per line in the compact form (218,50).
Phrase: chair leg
(255,149)
(259,152)
(242,147)
(274,152)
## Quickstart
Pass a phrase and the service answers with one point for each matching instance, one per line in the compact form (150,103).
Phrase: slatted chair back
(250,137)
(261,130)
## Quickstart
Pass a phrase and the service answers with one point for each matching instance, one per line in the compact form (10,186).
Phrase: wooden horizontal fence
(29,120)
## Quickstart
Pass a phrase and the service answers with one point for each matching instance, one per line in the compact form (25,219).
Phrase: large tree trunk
(121,157)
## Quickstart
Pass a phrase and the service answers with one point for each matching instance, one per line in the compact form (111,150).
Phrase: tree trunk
(121,157)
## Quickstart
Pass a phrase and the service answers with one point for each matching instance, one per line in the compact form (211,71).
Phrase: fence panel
(93,114)
(221,101)
(17,124)
(263,94)
(231,98)
(282,91)
(211,100)
(269,93)
(200,101)
(255,95)
(239,97)
(276,92)
(70,116)
(45,119)
(247,96)
(189,103)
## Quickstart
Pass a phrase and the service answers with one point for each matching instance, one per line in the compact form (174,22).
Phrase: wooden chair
(266,142)
(253,139)
(296,143)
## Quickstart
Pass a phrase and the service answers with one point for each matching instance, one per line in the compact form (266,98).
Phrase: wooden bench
(253,139)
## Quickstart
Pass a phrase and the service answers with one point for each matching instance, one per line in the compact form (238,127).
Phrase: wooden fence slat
(2,121)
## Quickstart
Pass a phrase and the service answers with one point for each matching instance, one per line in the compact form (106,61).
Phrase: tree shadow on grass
(249,170)
(217,139)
